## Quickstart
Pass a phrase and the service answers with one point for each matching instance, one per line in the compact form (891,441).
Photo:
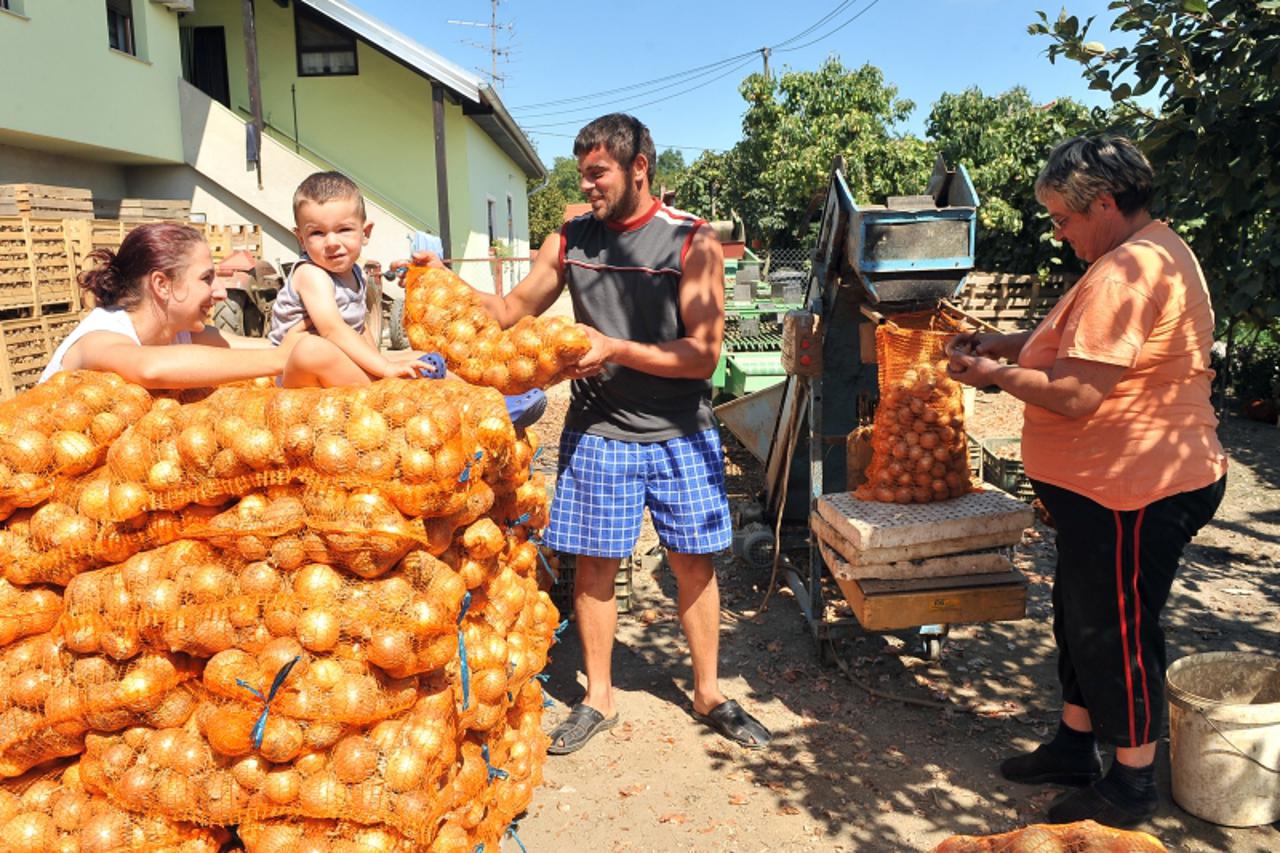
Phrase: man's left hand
(602,351)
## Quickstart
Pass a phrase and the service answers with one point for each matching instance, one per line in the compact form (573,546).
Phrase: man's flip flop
(433,366)
(582,724)
(737,725)
(526,408)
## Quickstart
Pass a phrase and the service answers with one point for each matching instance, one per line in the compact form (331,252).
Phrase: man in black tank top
(648,283)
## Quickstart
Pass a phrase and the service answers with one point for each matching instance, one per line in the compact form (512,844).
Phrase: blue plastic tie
(534,458)
(511,830)
(462,654)
(555,578)
(494,772)
(260,727)
(513,523)
(466,472)
(543,676)
(479,848)
(548,702)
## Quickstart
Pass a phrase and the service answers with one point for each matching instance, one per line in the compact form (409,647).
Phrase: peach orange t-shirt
(1143,305)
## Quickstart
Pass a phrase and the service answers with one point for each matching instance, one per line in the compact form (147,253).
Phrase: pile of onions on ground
(444,314)
(919,447)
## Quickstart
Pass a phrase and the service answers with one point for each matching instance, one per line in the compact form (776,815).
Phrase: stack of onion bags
(311,614)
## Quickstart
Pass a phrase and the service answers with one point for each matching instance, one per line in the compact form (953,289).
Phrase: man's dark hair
(623,136)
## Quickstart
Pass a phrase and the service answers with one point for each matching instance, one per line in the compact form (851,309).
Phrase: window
(325,49)
(120,26)
(511,221)
(493,233)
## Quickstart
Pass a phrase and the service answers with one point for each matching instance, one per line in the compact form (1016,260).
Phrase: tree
(547,203)
(793,129)
(1215,141)
(1003,142)
(668,170)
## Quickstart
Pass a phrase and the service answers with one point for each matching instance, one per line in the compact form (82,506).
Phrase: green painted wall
(74,87)
(375,126)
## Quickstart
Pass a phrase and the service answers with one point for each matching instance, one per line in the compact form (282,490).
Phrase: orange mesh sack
(392,774)
(24,612)
(919,450)
(50,697)
(1083,837)
(56,813)
(419,443)
(61,429)
(284,835)
(442,313)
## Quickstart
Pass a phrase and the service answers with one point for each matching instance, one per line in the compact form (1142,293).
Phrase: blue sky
(562,49)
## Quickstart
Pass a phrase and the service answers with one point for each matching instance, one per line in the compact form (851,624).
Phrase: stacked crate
(908,565)
(142,209)
(41,201)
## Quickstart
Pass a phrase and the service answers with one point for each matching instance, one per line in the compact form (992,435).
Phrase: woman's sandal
(737,725)
(582,724)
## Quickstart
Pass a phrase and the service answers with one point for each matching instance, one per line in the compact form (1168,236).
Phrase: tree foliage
(1003,141)
(794,127)
(1215,141)
(546,205)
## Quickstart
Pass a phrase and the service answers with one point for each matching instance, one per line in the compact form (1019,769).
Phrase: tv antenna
(495,79)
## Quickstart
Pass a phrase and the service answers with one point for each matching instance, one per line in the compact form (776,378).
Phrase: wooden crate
(891,605)
(43,201)
(1011,301)
(142,209)
(27,345)
(39,261)
(226,239)
(834,549)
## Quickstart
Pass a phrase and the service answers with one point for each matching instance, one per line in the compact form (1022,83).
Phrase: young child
(326,295)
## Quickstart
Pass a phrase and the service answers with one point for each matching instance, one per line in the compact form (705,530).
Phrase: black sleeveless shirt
(624,279)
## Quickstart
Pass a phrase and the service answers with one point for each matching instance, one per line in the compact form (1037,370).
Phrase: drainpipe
(255,88)
(442,170)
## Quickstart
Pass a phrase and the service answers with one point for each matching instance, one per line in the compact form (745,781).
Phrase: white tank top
(113,319)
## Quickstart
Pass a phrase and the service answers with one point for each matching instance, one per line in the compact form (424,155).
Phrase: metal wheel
(931,647)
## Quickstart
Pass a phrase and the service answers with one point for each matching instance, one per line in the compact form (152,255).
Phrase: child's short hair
(327,186)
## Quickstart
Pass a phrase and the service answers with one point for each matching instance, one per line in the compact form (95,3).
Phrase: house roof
(479,100)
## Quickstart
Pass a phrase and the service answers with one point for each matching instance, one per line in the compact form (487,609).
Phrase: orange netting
(444,314)
(1083,837)
(313,613)
(55,812)
(919,449)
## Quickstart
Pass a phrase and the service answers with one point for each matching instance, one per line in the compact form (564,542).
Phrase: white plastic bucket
(1224,736)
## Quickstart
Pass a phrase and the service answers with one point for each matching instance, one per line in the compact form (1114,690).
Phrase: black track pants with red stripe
(1113,577)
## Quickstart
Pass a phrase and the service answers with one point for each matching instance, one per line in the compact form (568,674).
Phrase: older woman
(153,296)
(1120,444)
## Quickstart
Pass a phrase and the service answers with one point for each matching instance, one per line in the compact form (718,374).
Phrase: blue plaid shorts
(604,484)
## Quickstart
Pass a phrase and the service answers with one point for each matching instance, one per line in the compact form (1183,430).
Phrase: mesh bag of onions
(919,448)
(1083,837)
(52,811)
(311,613)
(442,313)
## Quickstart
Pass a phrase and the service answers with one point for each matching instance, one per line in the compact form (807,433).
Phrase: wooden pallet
(837,553)
(926,530)
(142,209)
(227,239)
(27,345)
(1011,301)
(43,201)
(39,262)
(891,605)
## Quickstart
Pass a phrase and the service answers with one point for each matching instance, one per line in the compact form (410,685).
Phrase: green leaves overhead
(1215,139)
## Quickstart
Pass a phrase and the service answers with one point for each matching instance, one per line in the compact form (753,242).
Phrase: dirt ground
(852,771)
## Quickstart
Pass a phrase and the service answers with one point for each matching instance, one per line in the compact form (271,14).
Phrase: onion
(174,794)
(197,445)
(354,699)
(321,796)
(73,452)
(318,630)
(250,772)
(282,739)
(333,454)
(281,786)
(354,759)
(30,832)
(405,769)
(317,584)
(366,429)
(391,650)
(256,447)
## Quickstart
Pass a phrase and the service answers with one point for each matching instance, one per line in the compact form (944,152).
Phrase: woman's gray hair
(1081,169)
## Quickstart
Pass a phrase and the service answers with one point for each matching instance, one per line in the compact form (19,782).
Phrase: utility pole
(494,51)
(764,54)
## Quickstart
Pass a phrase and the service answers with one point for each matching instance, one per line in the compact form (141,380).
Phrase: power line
(830,33)
(659,146)
(651,103)
(696,71)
